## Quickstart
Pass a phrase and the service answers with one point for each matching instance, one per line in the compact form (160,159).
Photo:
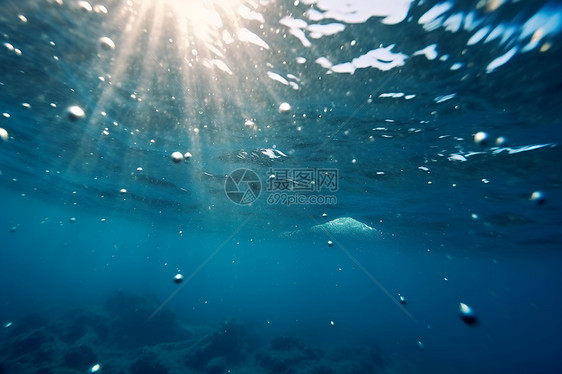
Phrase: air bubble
(85,6)
(249,124)
(538,197)
(467,314)
(100,9)
(75,113)
(501,141)
(284,108)
(3,135)
(106,43)
(178,278)
(95,368)
(177,157)
(481,138)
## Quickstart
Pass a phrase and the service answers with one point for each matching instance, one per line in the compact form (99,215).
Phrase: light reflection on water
(362,78)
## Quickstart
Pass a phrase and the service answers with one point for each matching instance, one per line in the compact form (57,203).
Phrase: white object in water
(467,314)
(284,108)
(177,157)
(178,278)
(481,138)
(3,134)
(75,113)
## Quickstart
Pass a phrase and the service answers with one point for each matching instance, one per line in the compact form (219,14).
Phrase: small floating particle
(123,191)
(177,157)
(420,344)
(72,219)
(187,156)
(8,324)
(330,243)
(402,299)
(324,215)
(332,323)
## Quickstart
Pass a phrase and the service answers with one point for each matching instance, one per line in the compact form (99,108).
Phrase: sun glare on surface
(182,76)
(202,19)
(183,57)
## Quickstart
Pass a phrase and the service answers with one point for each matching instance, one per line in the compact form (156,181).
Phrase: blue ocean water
(330,179)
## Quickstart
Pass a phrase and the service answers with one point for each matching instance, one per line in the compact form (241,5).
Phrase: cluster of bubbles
(483,139)
(284,108)
(178,157)
(87,7)
(76,113)
(466,313)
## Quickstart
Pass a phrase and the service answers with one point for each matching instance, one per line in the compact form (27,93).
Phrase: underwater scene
(275,186)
